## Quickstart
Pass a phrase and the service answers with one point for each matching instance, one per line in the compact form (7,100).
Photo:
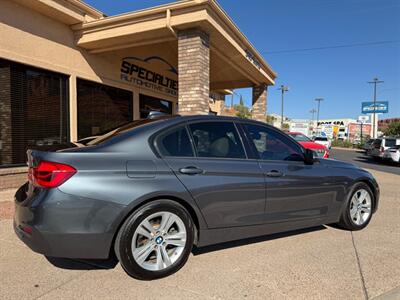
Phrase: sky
(281,30)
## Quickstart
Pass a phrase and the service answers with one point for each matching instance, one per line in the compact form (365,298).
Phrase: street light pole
(313,111)
(374,82)
(283,90)
(319,102)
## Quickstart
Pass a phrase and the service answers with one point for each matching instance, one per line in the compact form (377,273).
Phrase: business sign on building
(153,73)
(363,119)
(356,130)
(381,107)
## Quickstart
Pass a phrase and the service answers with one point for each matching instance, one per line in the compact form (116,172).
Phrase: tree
(285,127)
(270,119)
(393,129)
(242,111)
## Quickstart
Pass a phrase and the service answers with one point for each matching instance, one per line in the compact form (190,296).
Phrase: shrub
(342,143)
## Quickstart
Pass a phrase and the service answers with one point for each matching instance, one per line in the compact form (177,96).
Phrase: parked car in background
(306,142)
(323,140)
(152,189)
(368,144)
(393,154)
(380,145)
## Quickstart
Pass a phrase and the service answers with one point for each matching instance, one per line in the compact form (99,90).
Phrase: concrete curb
(348,149)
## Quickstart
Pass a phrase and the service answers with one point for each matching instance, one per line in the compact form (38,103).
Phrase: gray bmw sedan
(150,190)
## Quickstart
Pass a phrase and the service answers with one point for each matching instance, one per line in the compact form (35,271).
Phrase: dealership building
(67,71)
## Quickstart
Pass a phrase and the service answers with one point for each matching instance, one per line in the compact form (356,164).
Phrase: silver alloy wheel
(360,207)
(159,241)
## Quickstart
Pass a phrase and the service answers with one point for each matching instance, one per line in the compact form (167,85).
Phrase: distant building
(384,124)
(275,120)
(303,126)
(333,128)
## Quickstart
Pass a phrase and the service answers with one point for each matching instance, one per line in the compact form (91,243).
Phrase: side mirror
(309,157)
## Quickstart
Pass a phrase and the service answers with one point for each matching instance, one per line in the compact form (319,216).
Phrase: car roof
(178,119)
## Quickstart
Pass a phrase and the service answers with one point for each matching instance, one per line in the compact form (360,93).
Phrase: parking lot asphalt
(364,161)
(317,263)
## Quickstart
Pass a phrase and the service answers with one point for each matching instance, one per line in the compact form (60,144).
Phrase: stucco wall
(30,38)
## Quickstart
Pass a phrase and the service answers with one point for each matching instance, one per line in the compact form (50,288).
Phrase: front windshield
(300,137)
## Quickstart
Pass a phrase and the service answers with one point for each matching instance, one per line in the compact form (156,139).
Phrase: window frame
(18,84)
(267,128)
(156,140)
(96,84)
(234,123)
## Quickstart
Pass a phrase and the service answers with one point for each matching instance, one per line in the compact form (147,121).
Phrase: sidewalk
(7,204)
(348,149)
(319,263)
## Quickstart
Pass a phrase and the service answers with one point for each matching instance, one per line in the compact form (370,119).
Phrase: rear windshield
(377,142)
(320,138)
(390,142)
(117,131)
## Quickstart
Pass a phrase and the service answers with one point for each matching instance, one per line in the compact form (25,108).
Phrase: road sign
(381,107)
(363,119)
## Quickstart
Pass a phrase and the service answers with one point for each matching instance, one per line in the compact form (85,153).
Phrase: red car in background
(320,150)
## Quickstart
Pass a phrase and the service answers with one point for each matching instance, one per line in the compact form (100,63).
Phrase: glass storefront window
(101,108)
(148,104)
(33,111)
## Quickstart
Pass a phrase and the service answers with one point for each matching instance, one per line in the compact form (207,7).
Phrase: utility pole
(319,102)
(313,111)
(374,82)
(283,90)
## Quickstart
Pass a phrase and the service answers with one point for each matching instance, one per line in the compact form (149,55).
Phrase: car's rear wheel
(156,240)
(358,211)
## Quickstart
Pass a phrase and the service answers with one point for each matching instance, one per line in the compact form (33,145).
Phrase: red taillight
(50,174)
(326,154)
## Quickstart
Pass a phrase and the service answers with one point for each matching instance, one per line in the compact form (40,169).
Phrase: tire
(354,221)
(155,241)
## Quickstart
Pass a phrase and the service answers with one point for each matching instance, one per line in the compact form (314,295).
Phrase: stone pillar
(193,72)
(259,109)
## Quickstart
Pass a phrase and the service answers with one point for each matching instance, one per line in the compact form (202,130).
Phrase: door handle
(191,170)
(274,173)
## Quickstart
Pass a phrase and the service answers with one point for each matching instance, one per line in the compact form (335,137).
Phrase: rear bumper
(60,225)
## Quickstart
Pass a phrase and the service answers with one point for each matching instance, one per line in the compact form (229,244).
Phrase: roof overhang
(66,11)
(160,25)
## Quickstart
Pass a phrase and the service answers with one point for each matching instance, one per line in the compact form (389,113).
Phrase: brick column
(259,109)
(193,72)
(6,153)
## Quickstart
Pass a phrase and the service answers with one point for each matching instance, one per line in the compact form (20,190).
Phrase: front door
(294,190)
(228,188)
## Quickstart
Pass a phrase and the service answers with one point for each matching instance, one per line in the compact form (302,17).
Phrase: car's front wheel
(358,210)
(156,240)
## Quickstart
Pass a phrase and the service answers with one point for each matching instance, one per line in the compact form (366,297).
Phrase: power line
(332,47)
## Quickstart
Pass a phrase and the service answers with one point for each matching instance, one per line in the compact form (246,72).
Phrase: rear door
(227,187)
(295,191)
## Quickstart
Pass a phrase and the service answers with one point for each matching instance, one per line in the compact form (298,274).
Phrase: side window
(217,139)
(271,145)
(175,143)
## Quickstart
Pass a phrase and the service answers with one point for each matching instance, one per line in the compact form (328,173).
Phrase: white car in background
(379,146)
(393,154)
(323,140)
